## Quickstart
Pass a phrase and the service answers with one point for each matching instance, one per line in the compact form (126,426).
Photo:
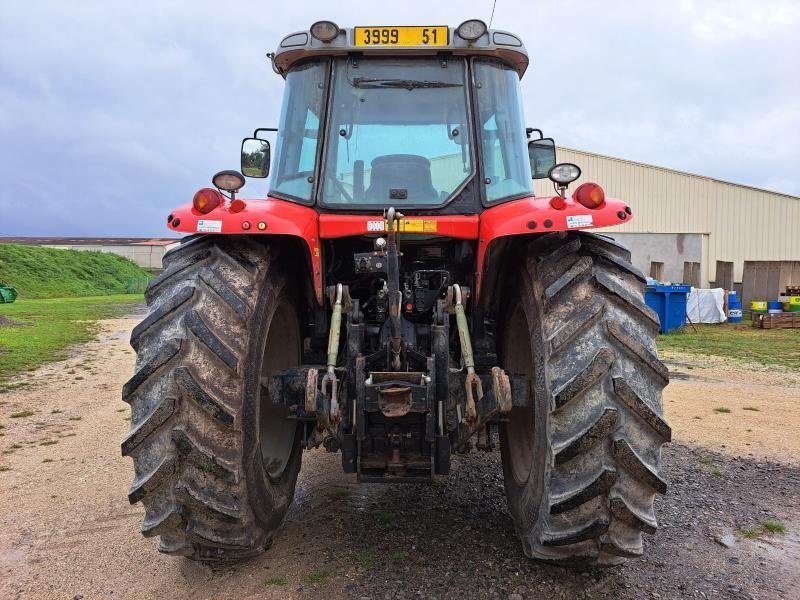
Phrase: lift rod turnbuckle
(473,384)
(333,351)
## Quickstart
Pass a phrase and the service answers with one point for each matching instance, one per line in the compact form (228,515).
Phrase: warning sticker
(574,221)
(406,226)
(208,226)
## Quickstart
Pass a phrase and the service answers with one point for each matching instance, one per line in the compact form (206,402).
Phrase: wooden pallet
(789,320)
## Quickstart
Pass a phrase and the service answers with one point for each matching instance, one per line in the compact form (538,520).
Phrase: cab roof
(301,45)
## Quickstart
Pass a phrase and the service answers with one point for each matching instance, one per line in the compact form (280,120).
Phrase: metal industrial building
(699,230)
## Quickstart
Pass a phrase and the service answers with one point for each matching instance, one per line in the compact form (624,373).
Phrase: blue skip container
(669,302)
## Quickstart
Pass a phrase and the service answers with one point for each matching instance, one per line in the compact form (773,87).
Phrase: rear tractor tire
(581,462)
(215,463)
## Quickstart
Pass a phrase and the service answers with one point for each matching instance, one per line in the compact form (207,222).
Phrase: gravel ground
(67,531)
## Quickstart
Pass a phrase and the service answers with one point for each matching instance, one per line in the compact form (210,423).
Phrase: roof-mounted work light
(324,31)
(471,30)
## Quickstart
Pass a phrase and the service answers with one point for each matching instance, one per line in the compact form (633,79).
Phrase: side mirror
(255,157)
(542,155)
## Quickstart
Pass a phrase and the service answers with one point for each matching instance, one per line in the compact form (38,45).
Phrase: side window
(298,132)
(308,149)
(502,131)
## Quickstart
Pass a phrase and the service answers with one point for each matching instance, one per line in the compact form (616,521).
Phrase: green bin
(7,294)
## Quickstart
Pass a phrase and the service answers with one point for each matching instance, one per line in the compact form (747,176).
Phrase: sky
(112,113)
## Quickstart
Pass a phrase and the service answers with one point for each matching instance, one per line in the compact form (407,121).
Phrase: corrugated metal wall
(743,223)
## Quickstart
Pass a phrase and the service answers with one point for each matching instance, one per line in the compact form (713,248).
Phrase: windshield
(298,131)
(502,131)
(398,132)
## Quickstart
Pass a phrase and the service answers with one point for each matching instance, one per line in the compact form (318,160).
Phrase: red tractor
(400,295)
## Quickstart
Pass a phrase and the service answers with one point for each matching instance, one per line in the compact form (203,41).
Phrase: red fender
(543,215)
(259,217)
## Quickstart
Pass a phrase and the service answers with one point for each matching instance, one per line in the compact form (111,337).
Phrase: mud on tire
(196,400)
(581,465)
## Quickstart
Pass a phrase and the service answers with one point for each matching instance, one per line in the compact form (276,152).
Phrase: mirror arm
(255,133)
(530,130)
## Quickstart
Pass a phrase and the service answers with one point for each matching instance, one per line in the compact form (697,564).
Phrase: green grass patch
(750,533)
(10,387)
(768,526)
(365,560)
(739,342)
(385,516)
(316,577)
(773,526)
(716,472)
(753,408)
(722,409)
(340,492)
(400,556)
(21,414)
(53,325)
(75,418)
(706,460)
(276,581)
(51,273)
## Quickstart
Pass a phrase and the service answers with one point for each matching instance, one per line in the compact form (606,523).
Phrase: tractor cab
(421,118)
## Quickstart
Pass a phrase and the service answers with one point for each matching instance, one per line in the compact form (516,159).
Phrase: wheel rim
(276,430)
(521,422)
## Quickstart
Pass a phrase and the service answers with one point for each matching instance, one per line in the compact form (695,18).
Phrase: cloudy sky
(113,112)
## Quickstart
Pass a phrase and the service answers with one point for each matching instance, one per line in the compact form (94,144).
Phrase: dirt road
(67,530)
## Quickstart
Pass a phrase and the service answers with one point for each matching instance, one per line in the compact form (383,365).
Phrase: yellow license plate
(402,36)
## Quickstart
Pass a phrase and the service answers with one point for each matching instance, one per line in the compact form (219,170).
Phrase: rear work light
(589,195)
(206,200)
(325,31)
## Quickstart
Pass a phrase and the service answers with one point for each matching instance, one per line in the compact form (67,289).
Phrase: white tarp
(706,306)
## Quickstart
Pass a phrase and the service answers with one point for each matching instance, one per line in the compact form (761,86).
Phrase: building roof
(87,241)
(675,171)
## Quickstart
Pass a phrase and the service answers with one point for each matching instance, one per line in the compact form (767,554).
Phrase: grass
(753,408)
(51,273)
(716,472)
(75,418)
(722,409)
(340,492)
(385,516)
(750,533)
(276,581)
(365,560)
(54,324)
(739,342)
(21,414)
(400,556)
(767,526)
(773,526)
(706,460)
(316,577)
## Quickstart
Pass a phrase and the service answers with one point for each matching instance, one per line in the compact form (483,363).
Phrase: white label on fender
(579,221)
(375,225)
(209,226)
